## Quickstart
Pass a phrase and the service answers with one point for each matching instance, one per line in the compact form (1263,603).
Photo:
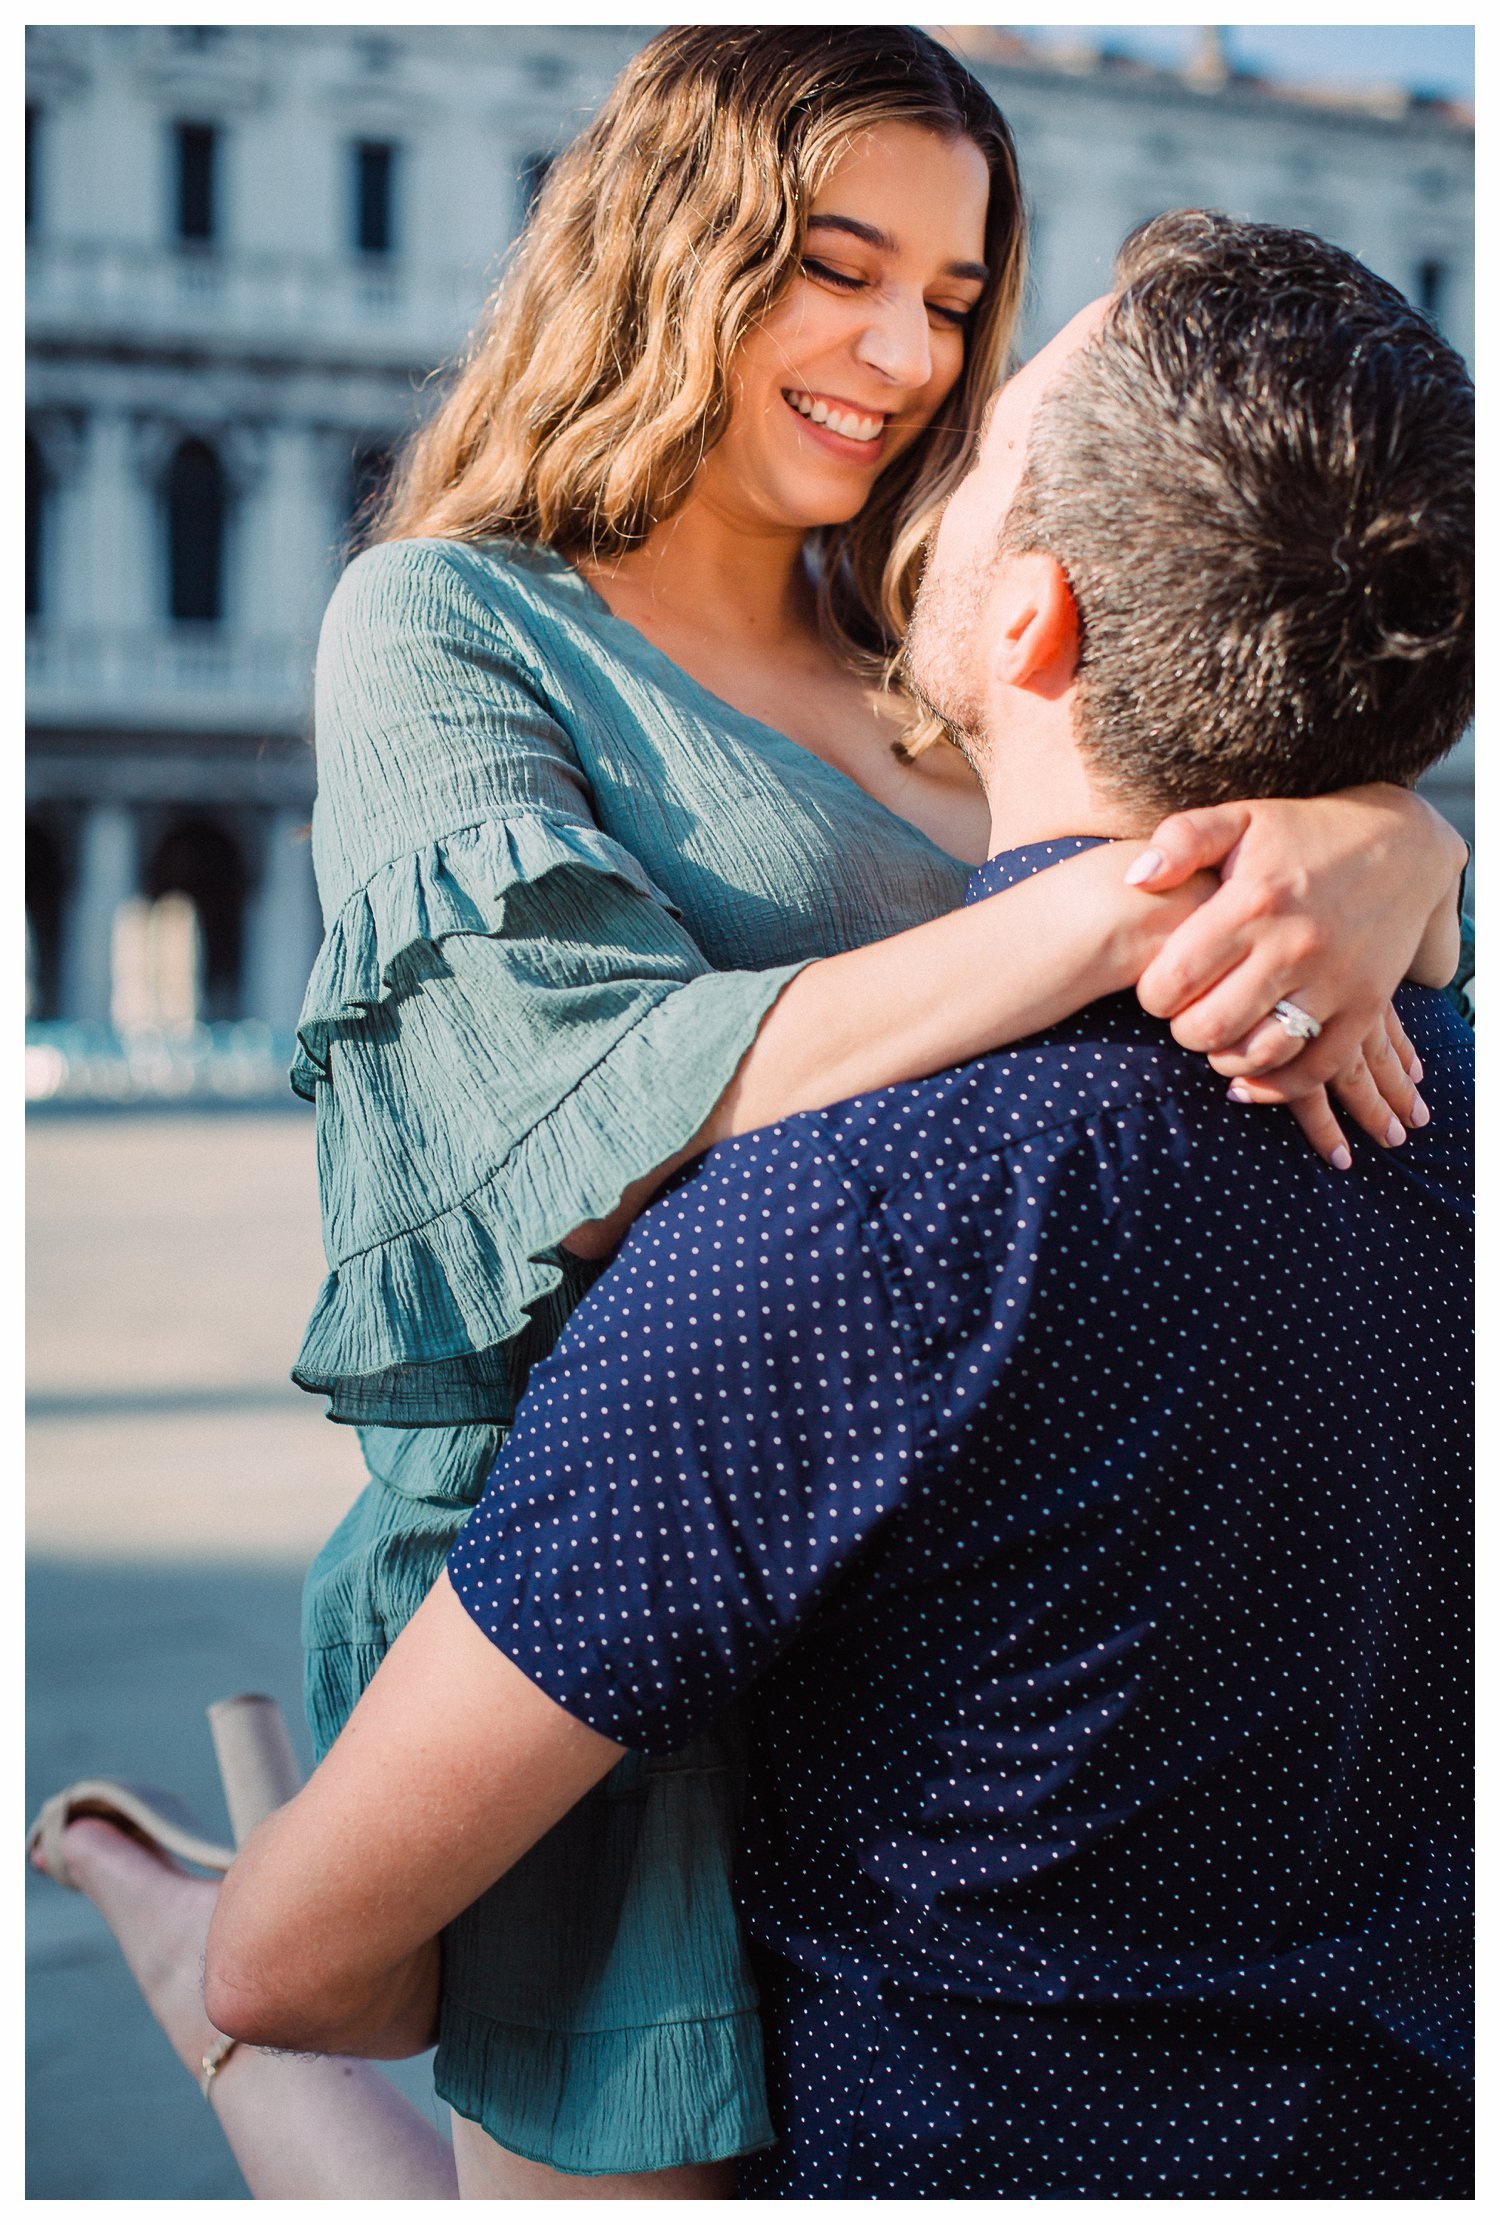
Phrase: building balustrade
(233,299)
(177,676)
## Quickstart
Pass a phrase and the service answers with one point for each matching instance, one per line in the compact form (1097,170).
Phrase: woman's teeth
(846,421)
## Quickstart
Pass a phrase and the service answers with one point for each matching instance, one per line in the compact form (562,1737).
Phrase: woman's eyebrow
(873,236)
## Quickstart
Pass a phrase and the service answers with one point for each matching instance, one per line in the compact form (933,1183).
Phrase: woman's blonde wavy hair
(599,378)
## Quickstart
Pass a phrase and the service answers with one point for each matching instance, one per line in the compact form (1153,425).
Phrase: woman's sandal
(257,1767)
(155,1818)
(259,1773)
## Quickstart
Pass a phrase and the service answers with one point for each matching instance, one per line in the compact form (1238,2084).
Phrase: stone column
(107,876)
(121,566)
(242,448)
(285,544)
(61,436)
(282,926)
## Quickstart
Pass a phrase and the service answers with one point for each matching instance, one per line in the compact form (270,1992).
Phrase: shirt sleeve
(722,1431)
(508,1022)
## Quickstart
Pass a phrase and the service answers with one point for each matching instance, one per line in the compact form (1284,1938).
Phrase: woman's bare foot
(159,1915)
(302,2128)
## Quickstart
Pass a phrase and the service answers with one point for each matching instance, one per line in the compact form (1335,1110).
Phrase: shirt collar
(1010,866)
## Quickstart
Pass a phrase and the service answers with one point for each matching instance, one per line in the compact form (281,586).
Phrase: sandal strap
(47,1833)
(148,1818)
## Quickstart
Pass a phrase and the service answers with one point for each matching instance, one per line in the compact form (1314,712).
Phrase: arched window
(197,165)
(1432,289)
(198,860)
(374,196)
(38,489)
(196,509)
(44,912)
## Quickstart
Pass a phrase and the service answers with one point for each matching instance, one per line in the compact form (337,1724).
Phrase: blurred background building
(248,249)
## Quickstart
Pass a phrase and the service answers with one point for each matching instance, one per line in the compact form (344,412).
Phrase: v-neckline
(746,718)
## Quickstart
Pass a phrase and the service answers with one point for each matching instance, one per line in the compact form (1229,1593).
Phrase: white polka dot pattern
(1073,1471)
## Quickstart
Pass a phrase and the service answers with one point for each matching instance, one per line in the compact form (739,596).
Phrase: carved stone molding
(240,446)
(224,76)
(57,65)
(62,436)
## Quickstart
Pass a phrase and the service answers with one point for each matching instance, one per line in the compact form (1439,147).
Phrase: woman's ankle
(159,1915)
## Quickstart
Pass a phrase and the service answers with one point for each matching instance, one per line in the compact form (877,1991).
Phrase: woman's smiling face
(869,340)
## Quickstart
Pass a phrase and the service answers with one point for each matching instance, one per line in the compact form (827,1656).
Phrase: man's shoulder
(1081,1078)
(1109,1080)
(857,1152)
(1110,1057)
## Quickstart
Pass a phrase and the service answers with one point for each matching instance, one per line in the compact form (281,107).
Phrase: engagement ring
(1296,1021)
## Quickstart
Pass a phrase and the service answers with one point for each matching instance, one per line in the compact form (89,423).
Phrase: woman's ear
(1036,634)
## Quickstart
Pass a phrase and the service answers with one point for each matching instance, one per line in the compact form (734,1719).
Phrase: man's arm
(452,1765)
(722,1428)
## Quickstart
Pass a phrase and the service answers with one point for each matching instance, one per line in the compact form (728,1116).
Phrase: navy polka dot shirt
(1069,1472)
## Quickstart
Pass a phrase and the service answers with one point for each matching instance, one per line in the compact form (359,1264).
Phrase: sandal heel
(256,1763)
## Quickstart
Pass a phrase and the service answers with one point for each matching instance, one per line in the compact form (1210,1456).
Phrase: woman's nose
(897,341)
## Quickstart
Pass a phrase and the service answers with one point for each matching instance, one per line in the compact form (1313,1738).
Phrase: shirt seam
(917,1395)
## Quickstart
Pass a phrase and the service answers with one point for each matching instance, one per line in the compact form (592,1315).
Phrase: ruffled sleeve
(508,1022)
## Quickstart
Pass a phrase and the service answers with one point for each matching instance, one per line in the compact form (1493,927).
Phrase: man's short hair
(1258,478)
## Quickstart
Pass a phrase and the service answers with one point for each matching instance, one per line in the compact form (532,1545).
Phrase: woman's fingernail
(1419,1115)
(1414,1071)
(1239,1094)
(1395,1133)
(1145,868)
(1341,1158)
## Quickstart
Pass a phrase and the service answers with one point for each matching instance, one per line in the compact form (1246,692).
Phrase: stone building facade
(248,249)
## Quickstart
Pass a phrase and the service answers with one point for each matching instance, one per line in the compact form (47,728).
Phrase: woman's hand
(1329,901)
(1378,1088)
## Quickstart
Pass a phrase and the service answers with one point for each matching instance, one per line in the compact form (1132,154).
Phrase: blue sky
(1433,58)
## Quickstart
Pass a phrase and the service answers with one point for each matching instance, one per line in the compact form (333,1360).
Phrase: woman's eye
(829,276)
(957,318)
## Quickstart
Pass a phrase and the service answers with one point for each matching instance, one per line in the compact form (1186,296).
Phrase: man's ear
(1035,641)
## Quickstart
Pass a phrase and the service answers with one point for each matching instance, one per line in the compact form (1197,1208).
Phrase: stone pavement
(177,1486)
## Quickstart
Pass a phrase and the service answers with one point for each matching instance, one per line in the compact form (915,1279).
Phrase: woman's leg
(489,2173)
(322,2128)
(309,2127)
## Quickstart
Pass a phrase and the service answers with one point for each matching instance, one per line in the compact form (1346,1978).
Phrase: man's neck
(1039,790)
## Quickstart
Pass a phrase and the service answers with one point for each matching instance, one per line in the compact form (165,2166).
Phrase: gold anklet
(217,2055)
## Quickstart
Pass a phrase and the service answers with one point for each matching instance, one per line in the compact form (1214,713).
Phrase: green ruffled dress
(563,884)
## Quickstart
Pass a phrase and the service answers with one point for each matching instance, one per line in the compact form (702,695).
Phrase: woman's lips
(856,435)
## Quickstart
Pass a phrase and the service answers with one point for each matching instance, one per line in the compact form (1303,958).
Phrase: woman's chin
(814,508)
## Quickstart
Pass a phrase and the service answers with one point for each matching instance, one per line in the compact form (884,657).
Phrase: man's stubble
(942,660)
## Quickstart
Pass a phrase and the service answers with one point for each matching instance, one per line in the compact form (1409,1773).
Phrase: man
(1065,1466)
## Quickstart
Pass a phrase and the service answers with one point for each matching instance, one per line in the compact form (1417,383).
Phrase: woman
(624,849)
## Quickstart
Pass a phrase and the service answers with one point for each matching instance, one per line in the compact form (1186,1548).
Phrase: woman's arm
(932,997)
(1331,901)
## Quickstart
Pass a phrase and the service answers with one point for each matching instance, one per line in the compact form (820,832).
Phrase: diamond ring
(1296,1021)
